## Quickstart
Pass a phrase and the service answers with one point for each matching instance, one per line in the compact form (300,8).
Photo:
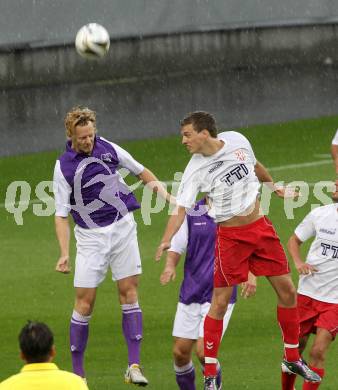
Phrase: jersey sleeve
(335,139)
(62,191)
(188,190)
(180,240)
(306,229)
(127,160)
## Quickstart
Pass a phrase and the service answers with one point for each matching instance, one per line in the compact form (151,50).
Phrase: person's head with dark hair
(36,343)
(201,120)
(199,133)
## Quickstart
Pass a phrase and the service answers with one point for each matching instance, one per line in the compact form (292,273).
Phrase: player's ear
(205,132)
(53,352)
(22,356)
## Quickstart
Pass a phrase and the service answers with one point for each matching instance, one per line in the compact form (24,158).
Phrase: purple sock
(185,376)
(79,330)
(132,330)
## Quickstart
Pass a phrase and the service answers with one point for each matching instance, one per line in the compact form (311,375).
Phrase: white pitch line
(302,165)
(272,169)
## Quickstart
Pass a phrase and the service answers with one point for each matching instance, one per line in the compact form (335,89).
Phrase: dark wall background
(48,22)
(246,61)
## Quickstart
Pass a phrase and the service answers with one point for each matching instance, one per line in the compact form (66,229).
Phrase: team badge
(240,155)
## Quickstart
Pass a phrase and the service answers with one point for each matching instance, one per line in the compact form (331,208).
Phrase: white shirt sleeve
(62,191)
(179,242)
(189,188)
(126,159)
(306,229)
(335,139)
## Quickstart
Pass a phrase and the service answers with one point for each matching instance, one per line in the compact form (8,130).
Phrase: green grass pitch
(251,350)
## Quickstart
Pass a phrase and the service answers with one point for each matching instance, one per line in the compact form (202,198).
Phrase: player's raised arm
(173,225)
(264,177)
(334,154)
(149,179)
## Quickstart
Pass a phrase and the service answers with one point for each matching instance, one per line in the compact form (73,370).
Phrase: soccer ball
(92,41)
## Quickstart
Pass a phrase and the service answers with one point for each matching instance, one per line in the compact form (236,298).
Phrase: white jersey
(335,139)
(227,177)
(321,223)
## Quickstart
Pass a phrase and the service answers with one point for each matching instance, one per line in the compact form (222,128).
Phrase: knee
(128,292)
(219,307)
(84,306)
(289,296)
(317,353)
(181,357)
(128,296)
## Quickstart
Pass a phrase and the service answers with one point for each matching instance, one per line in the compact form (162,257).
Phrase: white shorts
(113,246)
(189,320)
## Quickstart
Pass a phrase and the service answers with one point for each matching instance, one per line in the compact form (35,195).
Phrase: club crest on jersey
(240,155)
(106,157)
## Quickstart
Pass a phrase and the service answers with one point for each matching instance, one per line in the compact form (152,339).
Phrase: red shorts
(255,247)
(315,314)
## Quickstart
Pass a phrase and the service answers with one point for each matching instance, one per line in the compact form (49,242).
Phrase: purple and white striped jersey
(90,188)
(197,237)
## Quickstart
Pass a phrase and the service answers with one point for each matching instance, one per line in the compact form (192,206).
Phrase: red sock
(314,386)
(288,381)
(212,338)
(288,319)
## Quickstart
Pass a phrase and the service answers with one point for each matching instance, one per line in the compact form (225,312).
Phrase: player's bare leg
(213,326)
(288,319)
(132,328)
(184,368)
(317,355)
(79,326)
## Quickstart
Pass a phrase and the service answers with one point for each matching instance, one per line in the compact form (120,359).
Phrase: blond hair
(78,116)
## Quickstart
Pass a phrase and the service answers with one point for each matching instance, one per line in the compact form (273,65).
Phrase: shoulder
(6,384)
(323,211)
(66,156)
(111,144)
(232,136)
(72,379)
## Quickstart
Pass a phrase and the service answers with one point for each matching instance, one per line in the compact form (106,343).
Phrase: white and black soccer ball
(92,41)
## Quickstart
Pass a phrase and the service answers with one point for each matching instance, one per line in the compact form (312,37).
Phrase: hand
(287,192)
(63,265)
(305,269)
(161,248)
(167,275)
(248,289)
